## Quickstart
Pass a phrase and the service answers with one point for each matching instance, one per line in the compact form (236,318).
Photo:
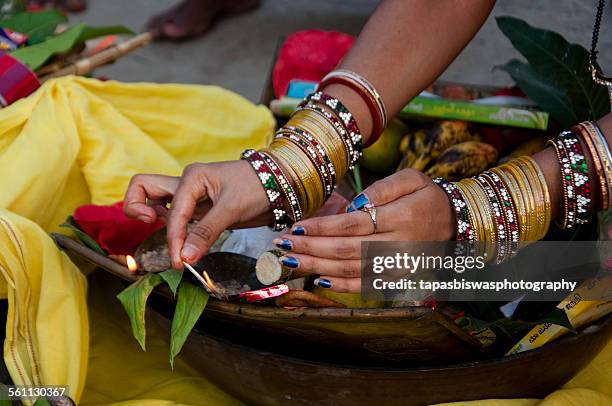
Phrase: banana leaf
(36,55)
(190,304)
(134,301)
(37,26)
(556,75)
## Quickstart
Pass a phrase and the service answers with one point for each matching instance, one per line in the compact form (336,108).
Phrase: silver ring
(371,210)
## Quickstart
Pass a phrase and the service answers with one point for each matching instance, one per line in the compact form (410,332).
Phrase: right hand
(219,195)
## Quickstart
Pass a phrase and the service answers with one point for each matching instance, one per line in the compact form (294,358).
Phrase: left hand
(409,207)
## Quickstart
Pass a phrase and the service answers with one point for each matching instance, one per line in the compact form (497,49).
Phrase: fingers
(191,189)
(334,205)
(341,285)
(345,224)
(390,188)
(157,188)
(327,247)
(345,269)
(205,232)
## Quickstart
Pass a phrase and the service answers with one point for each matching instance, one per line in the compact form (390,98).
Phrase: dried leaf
(134,301)
(173,278)
(189,307)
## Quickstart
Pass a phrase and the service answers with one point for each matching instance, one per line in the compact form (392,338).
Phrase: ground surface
(237,53)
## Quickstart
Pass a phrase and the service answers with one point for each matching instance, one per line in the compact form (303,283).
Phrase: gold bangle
(330,143)
(329,139)
(294,136)
(475,215)
(297,182)
(533,171)
(537,201)
(484,209)
(526,191)
(314,193)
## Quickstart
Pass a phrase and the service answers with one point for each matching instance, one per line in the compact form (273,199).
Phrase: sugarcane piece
(440,137)
(302,298)
(463,160)
(86,65)
(270,270)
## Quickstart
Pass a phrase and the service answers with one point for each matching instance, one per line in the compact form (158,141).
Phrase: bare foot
(193,17)
(71,6)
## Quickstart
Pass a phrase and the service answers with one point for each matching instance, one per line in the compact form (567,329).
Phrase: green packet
(426,107)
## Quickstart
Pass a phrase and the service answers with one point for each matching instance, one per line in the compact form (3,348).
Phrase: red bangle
(368,94)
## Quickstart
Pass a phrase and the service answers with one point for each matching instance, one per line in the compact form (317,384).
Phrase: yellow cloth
(78,141)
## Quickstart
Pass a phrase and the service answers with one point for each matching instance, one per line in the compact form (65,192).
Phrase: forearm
(547,160)
(405,46)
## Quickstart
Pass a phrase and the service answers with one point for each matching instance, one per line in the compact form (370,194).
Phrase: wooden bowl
(400,336)
(261,377)
(269,356)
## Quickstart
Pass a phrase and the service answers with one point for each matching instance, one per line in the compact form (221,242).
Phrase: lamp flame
(131,263)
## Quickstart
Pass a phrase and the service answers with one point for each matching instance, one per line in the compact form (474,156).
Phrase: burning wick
(131,263)
(198,276)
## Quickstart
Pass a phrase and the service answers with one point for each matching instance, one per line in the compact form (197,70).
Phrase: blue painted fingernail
(283,244)
(298,230)
(323,283)
(359,202)
(290,262)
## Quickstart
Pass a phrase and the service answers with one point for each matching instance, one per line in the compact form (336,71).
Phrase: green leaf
(82,236)
(172,277)
(547,95)
(37,26)
(189,307)
(558,64)
(134,301)
(42,402)
(36,55)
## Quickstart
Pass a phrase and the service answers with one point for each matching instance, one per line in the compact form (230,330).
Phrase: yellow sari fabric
(77,141)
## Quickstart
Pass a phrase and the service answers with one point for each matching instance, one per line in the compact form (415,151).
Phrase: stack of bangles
(510,204)
(319,144)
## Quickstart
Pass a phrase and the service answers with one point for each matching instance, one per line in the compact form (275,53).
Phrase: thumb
(388,189)
(203,234)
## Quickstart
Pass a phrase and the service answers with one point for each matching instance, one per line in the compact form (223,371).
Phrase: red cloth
(16,80)
(308,55)
(112,229)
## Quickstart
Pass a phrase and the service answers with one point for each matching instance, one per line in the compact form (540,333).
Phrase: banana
(463,160)
(441,136)
(529,147)
(405,143)
(411,144)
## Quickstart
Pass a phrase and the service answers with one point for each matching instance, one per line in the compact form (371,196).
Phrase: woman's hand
(409,207)
(220,195)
